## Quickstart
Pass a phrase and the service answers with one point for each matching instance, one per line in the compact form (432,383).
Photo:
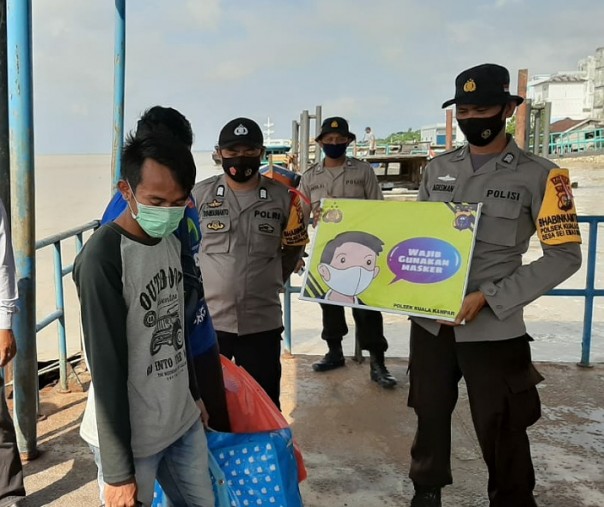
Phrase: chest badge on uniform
(215,204)
(446,178)
(266,228)
(263,194)
(216,225)
(220,191)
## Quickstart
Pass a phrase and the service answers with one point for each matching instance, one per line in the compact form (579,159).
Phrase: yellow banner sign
(411,258)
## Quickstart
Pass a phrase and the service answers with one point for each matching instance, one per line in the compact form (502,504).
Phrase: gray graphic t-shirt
(132,301)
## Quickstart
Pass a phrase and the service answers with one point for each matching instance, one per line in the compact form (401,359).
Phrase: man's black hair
(166,119)
(363,238)
(165,149)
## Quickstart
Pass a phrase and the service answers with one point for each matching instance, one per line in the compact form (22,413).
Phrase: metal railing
(58,315)
(577,141)
(589,292)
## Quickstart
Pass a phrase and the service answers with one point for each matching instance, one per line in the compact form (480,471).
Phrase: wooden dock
(398,170)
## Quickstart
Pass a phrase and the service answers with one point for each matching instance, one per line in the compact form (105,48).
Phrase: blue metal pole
(589,292)
(21,136)
(119,79)
(60,299)
(287,317)
(4,150)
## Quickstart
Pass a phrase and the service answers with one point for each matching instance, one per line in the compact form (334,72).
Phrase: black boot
(379,372)
(426,496)
(333,359)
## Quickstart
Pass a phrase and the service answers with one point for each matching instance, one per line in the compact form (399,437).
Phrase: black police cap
(241,131)
(338,125)
(483,85)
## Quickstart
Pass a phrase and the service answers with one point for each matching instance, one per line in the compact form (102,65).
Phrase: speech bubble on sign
(424,260)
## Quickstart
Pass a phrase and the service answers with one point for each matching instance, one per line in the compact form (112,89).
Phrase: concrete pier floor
(356,437)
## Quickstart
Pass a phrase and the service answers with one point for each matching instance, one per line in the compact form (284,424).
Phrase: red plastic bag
(250,408)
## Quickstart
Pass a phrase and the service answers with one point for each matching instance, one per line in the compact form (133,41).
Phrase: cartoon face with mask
(349,264)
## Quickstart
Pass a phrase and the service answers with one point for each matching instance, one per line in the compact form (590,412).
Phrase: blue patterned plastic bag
(260,469)
(251,470)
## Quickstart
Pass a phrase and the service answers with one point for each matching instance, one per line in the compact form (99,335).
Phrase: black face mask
(241,169)
(481,131)
(335,150)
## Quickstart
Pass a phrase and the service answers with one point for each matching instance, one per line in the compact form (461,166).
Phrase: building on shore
(593,68)
(573,136)
(565,91)
(436,134)
(577,94)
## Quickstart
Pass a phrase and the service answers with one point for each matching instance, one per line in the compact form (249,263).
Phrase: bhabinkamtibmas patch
(295,233)
(557,221)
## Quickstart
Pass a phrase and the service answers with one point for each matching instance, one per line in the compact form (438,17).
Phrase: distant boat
(276,150)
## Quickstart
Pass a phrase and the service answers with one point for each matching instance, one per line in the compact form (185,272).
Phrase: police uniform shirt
(240,255)
(511,187)
(356,180)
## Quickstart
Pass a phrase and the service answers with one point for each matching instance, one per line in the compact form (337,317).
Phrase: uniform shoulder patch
(557,220)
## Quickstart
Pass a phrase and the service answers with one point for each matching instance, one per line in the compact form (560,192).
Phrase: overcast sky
(385,63)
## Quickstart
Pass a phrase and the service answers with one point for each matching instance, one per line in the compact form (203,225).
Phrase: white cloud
(388,63)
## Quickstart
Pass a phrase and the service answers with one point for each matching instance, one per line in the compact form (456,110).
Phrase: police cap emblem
(241,130)
(469,86)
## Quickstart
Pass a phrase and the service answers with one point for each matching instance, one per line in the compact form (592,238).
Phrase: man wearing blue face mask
(339,176)
(253,237)
(129,278)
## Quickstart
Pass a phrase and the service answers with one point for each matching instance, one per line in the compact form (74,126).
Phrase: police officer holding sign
(253,237)
(488,344)
(339,176)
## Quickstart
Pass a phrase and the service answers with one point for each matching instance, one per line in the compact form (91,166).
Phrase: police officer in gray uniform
(339,176)
(488,344)
(250,247)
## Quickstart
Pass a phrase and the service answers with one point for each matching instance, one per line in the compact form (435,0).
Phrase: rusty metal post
(318,121)
(537,132)
(449,129)
(528,105)
(304,140)
(521,111)
(295,147)
(21,132)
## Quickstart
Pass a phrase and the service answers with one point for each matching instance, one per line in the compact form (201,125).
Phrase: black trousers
(259,354)
(369,327)
(504,402)
(208,371)
(11,473)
